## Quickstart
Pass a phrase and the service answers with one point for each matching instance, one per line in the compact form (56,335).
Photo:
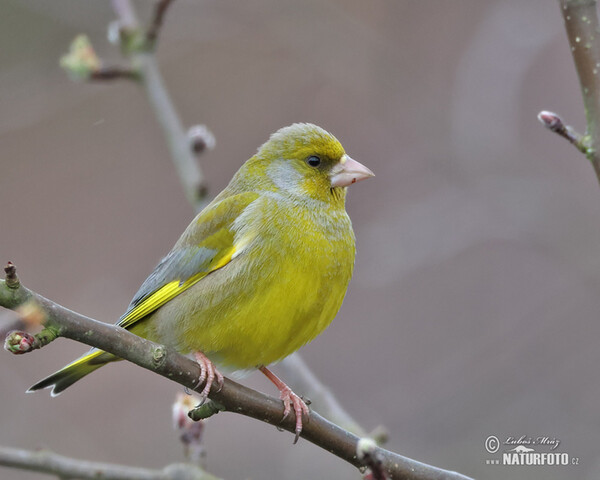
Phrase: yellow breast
(283,287)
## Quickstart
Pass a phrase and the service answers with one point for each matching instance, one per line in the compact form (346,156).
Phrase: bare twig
(82,63)
(232,396)
(583,32)
(144,61)
(190,174)
(157,20)
(44,461)
(114,73)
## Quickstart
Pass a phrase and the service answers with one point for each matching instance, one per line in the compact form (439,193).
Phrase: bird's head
(304,160)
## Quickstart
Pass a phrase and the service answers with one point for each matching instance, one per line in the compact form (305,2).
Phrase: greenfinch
(260,272)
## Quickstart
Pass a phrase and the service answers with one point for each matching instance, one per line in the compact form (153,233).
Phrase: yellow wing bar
(170,291)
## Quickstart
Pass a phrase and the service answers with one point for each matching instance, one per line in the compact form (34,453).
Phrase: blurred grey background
(474,306)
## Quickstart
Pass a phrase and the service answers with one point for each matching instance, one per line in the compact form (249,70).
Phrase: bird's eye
(313,161)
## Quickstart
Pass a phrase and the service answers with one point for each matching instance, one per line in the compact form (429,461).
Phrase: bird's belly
(246,315)
(271,326)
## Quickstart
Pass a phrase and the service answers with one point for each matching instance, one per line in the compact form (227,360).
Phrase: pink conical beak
(349,171)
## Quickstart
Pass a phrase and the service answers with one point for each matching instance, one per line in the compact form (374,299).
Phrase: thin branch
(82,63)
(233,396)
(44,461)
(144,62)
(157,21)
(114,73)
(190,174)
(583,32)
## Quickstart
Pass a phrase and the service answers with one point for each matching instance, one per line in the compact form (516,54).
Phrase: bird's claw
(220,380)
(290,399)
(208,372)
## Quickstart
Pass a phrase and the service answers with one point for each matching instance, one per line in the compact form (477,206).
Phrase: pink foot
(290,399)
(208,372)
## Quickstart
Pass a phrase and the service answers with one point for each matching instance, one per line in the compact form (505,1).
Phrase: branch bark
(44,461)
(232,397)
(583,31)
(157,20)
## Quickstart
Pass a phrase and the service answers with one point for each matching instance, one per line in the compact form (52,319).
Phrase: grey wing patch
(177,265)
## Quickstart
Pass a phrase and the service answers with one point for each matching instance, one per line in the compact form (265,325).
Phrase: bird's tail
(74,371)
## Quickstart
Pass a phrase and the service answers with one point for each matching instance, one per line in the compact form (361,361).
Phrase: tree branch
(44,461)
(114,73)
(583,32)
(232,397)
(190,174)
(139,47)
(159,14)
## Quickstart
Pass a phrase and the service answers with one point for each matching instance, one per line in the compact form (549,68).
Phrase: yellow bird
(260,272)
